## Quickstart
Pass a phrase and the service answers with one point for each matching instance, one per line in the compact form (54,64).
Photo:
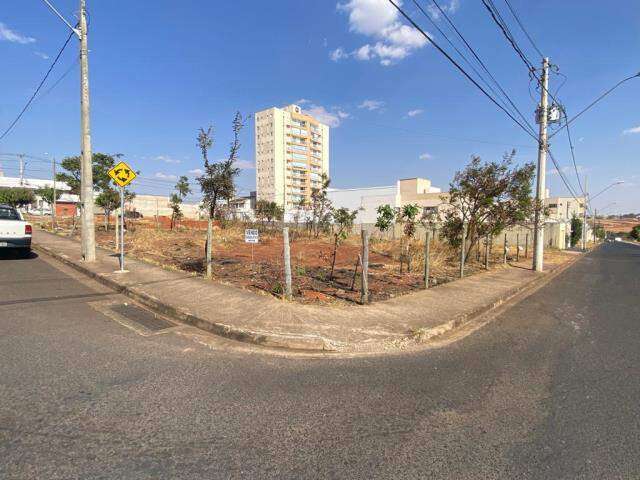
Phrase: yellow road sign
(122,174)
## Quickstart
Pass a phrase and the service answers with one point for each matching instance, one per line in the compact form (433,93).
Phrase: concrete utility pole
(21,156)
(86,170)
(53,207)
(538,236)
(584,216)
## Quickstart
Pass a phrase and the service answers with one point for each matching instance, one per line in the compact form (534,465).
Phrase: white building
(368,199)
(292,153)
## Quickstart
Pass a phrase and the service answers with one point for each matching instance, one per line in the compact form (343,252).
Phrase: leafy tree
(408,217)
(635,233)
(16,197)
(576,230)
(343,220)
(489,197)
(300,209)
(386,217)
(320,207)
(217,181)
(47,194)
(108,200)
(269,211)
(176,199)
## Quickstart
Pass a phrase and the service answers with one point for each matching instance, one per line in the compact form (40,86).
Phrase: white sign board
(251,236)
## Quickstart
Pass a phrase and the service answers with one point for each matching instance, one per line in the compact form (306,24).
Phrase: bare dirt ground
(260,267)
(622,225)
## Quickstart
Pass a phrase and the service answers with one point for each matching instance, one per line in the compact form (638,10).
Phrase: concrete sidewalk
(262,319)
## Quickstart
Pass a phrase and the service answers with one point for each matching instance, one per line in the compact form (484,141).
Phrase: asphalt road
(550,389)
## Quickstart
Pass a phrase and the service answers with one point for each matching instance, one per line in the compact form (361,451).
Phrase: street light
(605,189)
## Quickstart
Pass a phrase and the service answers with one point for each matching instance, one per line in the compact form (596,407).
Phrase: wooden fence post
(287,263)
(463,245)
(506,248)
(517,247)
(427,250)
(364,290)
(208,251)
(487,240)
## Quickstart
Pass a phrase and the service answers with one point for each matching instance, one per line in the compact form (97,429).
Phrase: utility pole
(538,237)
(584,216)
(86,170)
(53,207)
(595,219)
(21,156)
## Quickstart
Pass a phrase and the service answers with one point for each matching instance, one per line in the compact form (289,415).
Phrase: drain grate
(142,317)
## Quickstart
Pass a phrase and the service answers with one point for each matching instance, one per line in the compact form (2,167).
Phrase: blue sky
(398,108)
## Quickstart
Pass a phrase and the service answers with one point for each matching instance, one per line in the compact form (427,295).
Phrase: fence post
(486,251)
(463,245)
(287,263)
(427,250)
(526,246)
(208,251)
(506,248)
(364,291)
(517,247)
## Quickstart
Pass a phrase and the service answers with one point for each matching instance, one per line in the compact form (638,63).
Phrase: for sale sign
(251,235)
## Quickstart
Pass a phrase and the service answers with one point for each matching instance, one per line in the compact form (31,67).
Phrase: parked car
(618,239)
(15,232)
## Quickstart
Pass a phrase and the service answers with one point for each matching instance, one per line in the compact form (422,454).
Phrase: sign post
(252,236)
(122,175)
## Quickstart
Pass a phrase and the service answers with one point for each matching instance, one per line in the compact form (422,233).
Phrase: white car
(15,232)
(618,239)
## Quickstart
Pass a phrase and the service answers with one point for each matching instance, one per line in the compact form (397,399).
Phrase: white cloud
(42,55)
(425,156)
(448,8)
(416,112)
(196,171)
(14,37)
(338,54)
(167,159)
(332,117)
(371,105)
(380,20)
(245,165)
(302,101)
(631,131)
(165,176)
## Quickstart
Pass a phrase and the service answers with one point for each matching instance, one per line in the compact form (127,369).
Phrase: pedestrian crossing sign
(122,174)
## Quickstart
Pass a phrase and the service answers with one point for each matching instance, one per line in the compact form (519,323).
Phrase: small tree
(269,211)
(489,197)
(47,194)
(108,200)
(176,199)
(408,217)
(217,181)
(635,233)
(300,209)
(576,230)
(386,217)
(16,197)
(343,219)
(320,207)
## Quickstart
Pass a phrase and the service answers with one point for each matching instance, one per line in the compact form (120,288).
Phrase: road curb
(295,342)
(309,343)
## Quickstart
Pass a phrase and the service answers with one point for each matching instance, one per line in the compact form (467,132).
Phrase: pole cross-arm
(59,15)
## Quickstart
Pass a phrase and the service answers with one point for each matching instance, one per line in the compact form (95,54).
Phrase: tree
(343,220)
(108,197)
(320,207)
(489,197)
(408,217)
(16,197)
(635,233)
(176,199)
(300,209)
(576,230)
(269,211)
(386,217)
(47,194)
(217,181)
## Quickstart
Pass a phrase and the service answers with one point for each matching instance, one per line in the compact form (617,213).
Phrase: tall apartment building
(292,153)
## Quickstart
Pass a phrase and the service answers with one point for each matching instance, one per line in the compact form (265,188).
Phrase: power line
(573,155)
(476,56)
(10,127)
(457,65)
(515,15)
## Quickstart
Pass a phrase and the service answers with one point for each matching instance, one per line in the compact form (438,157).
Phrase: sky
(396,106)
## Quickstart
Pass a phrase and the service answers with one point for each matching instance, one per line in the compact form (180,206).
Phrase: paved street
(550,389)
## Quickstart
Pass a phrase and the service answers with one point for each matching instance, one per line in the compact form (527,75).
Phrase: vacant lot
(260,267)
